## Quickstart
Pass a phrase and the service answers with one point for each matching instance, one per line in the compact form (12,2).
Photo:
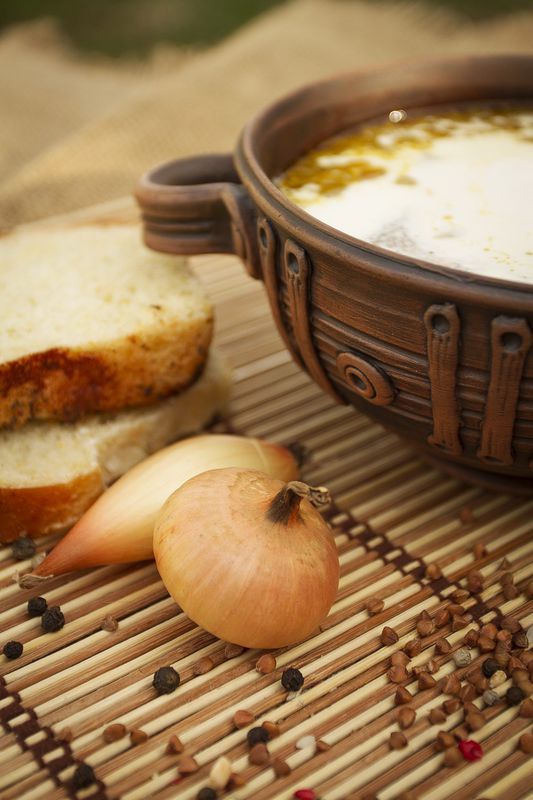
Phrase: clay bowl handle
(198,205)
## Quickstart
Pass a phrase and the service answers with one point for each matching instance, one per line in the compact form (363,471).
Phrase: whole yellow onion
(248,557)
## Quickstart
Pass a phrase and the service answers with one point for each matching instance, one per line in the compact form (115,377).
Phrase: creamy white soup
(454,189)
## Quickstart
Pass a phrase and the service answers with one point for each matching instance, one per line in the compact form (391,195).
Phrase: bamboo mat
(392,516)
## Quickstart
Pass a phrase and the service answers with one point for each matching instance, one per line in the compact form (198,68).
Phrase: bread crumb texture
(94,321)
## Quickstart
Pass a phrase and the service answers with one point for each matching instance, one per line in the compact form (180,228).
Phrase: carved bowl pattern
(442,357)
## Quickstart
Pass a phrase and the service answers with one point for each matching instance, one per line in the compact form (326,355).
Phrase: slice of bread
(94,321)
(51,472)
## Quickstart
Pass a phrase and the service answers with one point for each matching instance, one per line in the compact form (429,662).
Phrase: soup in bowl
(387,214)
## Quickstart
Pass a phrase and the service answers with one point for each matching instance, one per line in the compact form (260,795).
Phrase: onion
(118,527)
(248,557)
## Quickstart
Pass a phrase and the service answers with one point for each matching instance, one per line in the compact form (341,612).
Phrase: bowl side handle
(198,205)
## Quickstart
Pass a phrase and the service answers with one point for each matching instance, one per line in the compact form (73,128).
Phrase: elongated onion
(118,528)
(248,557)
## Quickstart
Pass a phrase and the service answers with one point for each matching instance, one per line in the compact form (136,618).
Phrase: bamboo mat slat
(392,517)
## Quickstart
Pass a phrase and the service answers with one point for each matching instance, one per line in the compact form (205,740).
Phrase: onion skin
(236,573)
(118,527)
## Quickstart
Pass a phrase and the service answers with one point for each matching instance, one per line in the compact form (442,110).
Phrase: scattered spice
(413,648)
(166,680)
(425,627)
(474,721)
(466,515)
(175,745)
(444,740)
(510,592)
(402,696)
(452,757)
(236,780)
(520,640)
(489,629)
(203,666)
(442,617)
(52,620)
(510,624)
(397,673)
(437,716)
(23,548)
(480,551)
(397,741)
(206,793)
(13,650)
(220,772)
(433,572)
(241,718)
(259,754)
(37,606)
(462,657)
(470,750)
(514,695)
(526,709)
(305,741)
(451,684)
(467,692)
(137,736)
(451,705)
(83,776)
(497,678)
(474,581)
(292,679)
(281,768)
(257,735)
(442,646)
(271,728)
(233,650)
(374,606)
(109,624)
(266,664)
(388,636)
(460,595)
(458,622)
(525,743)
(187,765)
(506,578)
(400,658)
(114,732)
(305,794)
(456,609)
(426,681)
(489,667)
(485,644)
(405,716)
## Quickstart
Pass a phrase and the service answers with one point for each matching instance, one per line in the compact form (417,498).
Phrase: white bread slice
(51,472)
(91,320)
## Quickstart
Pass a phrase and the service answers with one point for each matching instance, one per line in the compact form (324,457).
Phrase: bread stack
(104,358)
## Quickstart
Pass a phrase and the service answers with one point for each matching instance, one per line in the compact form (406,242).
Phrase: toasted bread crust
(40,510)
(65,384)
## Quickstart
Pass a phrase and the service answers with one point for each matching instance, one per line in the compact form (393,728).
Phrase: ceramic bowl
(440,356)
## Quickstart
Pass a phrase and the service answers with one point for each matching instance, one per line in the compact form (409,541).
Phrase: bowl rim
(247,146)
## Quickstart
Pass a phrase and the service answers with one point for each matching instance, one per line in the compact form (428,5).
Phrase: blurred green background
(132,27)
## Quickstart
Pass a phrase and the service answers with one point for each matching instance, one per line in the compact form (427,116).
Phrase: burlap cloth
(76,131)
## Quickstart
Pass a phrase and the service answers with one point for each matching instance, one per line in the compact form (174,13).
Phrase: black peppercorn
(257,735)
(37,606)
(166,680)
(489,667)
(514,696)
(292,679)
(52,620)
(206,794)
(83,776)
(23,547)
(13,649)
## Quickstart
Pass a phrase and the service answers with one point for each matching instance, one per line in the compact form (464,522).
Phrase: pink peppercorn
(471,750)
(305,794)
